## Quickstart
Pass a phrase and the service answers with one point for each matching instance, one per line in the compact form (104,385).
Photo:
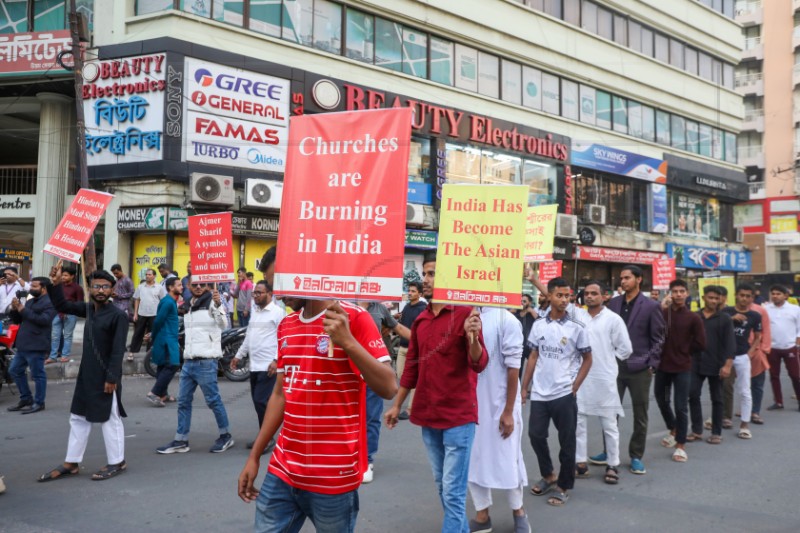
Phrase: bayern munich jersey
(322,446)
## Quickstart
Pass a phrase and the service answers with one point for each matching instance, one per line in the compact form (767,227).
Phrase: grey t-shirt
(381,316)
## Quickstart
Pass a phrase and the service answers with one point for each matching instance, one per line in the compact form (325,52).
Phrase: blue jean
(374,412)
(202,372)
(448,453)
(281,508)
(757,388)
(243,320)
(34,360)
(65,326)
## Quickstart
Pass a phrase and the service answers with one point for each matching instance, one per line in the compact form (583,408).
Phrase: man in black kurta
(98,390)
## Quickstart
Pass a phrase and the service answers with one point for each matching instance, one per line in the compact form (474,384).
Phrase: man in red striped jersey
(320,398)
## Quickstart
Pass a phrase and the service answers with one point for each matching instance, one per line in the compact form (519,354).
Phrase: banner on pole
(211,248)
(343,213)
(481,245)
(77,225)
(549,270)
(663,273)
(540,232)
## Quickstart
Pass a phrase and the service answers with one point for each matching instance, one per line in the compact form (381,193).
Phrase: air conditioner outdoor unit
(415,215)
(263,194)
(566,226)
(212,189)
(739,234)
(595,214)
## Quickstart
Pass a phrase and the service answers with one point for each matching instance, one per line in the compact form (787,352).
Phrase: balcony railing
(18,179)
(753,114)
(743,8)
(748,79)
(749,152)
(752,42)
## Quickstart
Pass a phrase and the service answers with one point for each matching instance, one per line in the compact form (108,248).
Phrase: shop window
(621,30)
(360,42)
(717,144)
(488,75)
(463,164)
(328,26)
(229,11)
(541,179)
(143,7)
(676,53)
(415,53)
(266,18)
(589,16)
(694,216)
(572,12)
(784,261)
(692,137)
(705,140)
(298,21)
(647,42)
(14,17)
(419,159)
(648,123)
(388,44)
(500,169)
(442,61)
(553,8)
(678,130)
(201,8)
(620,115)
(49,15)
(551,94)
(466,68)
(625,200)
(511,74)
(531,88)
(603,109)
(635,119)
(588,104)
(662,128)
(730,147)
(569,100)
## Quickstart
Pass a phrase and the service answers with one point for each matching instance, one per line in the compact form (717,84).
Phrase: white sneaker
(368,475)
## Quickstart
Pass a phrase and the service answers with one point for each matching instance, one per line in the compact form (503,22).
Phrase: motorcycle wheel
(242,373)
(148,364)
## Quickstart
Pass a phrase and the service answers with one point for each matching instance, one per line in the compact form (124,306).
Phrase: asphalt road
(739,486)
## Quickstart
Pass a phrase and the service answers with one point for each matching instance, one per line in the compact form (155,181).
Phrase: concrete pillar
(56,127)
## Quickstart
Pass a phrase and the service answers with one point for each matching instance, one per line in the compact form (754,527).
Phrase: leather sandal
(109,471)
(59,471)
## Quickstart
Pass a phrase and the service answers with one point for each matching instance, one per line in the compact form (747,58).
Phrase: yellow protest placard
(728,282)
(481,239)
(540,232)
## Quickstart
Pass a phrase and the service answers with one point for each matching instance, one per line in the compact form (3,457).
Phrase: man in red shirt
(320,396)
(445,356)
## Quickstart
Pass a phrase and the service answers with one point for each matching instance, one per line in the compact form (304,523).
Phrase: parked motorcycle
(231,341)
(8,334)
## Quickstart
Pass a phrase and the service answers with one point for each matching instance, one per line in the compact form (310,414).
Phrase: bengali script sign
(663,273)
(540,232)
(343,213)
(211,247)
(29,53)
(618,255)
(77,225)
(549,270)
(481,244)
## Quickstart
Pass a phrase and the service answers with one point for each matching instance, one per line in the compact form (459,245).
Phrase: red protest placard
(211,247)
(663,273)
(77,225)
(343,213)
(549,270)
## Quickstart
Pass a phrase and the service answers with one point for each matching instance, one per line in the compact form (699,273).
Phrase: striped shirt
(323,443)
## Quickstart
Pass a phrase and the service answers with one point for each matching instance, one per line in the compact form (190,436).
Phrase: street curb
(61,371)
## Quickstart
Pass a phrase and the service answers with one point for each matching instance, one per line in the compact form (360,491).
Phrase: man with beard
(98,388)
(166,346)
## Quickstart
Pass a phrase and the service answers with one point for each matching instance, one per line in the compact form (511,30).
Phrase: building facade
(623,112)
(769,146)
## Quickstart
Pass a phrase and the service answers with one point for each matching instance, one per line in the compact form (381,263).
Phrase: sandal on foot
(679,456)
(668,441)
(155,400)
(168,399)
(57,473)
(582,471)
(756,419)
(543,486)
(707,423)
(744,433)
(714,439)
(109,471)
(612,475)
(692,437)
(727,423)
(129,357)
(558,499)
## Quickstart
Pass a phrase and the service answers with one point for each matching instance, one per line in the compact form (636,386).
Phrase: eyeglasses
(101,287)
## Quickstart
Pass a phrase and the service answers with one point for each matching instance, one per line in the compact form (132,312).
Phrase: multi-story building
(769,146)
(623,112)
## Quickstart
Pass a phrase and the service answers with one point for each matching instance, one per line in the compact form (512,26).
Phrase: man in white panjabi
(496,457)
(609,339)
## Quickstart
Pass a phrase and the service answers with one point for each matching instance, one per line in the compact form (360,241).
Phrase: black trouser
(680,383)
(564,414)
(695,405)
(163,378)
(261,386)
(143,323)
(638,383)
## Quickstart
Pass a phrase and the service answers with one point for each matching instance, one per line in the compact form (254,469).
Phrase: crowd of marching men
(320,372)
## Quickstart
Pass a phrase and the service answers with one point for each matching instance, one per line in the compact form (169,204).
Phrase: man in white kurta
(496,458)
(609,339)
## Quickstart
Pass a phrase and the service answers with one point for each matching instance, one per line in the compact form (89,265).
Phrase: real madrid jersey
(322,446)
(561,345)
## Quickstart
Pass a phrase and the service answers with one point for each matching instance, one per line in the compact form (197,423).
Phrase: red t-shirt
(322,445)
